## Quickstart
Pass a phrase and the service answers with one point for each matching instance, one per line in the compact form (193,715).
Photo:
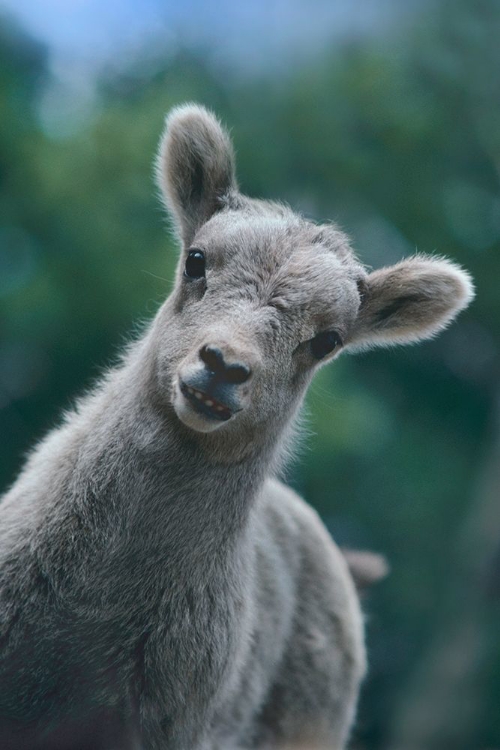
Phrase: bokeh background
(384,116)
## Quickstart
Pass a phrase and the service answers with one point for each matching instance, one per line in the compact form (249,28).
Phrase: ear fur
(410,301)
(194,167)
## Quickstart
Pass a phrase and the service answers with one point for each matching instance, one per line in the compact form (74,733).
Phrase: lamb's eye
(195,265)
(324,343)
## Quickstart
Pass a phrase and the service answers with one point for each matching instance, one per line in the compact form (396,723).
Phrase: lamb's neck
(157,485)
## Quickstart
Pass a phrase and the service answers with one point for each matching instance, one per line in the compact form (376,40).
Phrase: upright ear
(410,301)
(194,168)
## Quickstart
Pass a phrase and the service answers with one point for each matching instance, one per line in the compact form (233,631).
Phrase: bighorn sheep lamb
(159,587)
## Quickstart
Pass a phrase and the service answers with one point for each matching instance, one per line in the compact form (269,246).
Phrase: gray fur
(158,587)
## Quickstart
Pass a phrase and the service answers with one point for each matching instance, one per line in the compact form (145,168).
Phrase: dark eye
(195,265)
(324,343)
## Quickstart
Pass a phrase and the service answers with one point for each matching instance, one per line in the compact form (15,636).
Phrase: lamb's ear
(194,168)
(409,301)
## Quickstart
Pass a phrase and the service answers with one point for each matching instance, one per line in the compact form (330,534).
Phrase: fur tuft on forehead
(273,220)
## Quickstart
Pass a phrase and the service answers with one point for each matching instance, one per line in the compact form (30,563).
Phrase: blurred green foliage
(397,140)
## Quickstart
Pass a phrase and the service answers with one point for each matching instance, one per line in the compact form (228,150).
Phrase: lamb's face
(263,297)
(261,300)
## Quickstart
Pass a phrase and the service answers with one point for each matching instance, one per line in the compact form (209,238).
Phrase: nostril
(213,358)
(235,373)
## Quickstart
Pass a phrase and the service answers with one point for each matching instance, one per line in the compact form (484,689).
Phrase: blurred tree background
(397,137)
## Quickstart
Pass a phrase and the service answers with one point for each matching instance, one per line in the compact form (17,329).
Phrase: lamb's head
(263,297)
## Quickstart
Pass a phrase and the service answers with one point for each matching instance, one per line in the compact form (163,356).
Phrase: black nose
(235,372)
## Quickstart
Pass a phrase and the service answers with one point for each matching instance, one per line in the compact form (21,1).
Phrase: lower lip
(200,406)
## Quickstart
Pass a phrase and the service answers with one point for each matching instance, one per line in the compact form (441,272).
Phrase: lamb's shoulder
(323,586)
(299,531)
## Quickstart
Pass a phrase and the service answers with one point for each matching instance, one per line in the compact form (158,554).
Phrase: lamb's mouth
(205,404)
